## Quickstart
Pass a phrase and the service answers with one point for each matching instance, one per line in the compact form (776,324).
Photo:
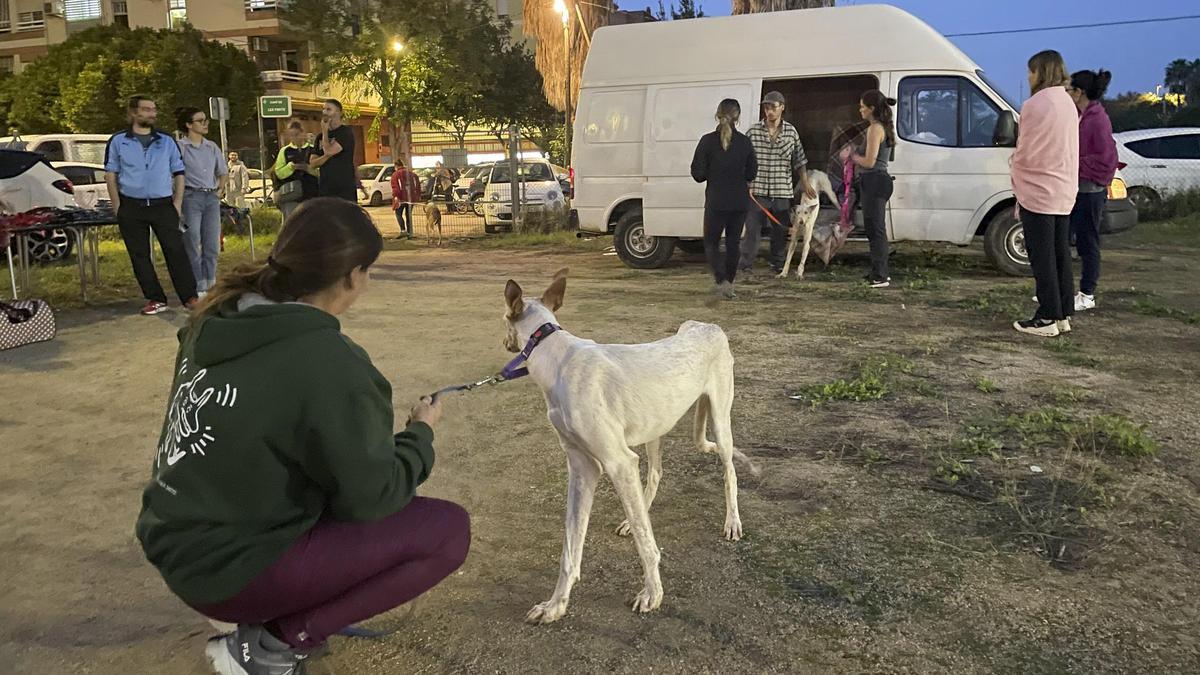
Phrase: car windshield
(91,152)
(530,172)
(368,172)
(1016,107)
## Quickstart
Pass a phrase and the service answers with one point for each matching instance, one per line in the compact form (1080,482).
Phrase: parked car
(91,190)
(540,190)
(86,148)
(469,187)
(257,195)
(375,181)
(648,93)
(1159,162)
(28,181)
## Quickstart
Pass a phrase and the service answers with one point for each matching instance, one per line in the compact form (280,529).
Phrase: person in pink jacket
(1045,178)
(1097,166)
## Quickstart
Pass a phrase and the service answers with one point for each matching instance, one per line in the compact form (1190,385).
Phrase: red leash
(764,210)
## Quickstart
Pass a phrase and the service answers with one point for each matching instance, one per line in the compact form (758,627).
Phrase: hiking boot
(1038,327)
(243,653)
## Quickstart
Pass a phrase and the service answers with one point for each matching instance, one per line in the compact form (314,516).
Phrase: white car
(540,188)
(1159,162)
(88,180)
(81,148)
(376,182)
(27,181)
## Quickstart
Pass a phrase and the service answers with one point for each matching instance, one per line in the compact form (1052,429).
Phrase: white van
(85,148)
(649,92)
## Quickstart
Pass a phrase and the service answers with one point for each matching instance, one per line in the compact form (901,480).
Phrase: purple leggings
(340,573)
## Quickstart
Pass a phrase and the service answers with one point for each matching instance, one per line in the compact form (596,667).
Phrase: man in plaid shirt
(780,155)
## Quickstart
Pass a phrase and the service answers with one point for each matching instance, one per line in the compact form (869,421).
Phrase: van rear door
(677,115)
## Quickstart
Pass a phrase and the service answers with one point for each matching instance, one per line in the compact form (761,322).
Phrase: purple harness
(514,369)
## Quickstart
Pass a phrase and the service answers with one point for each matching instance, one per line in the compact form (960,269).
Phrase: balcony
(30,23)
(264,5)
(270,76)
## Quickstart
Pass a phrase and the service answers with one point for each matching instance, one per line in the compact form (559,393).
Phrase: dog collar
(515,369)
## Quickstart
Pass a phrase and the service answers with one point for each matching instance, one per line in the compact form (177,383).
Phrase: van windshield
(91,152)
(1015,105)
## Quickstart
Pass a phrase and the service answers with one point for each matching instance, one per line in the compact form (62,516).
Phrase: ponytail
(1092,84)
(728,113)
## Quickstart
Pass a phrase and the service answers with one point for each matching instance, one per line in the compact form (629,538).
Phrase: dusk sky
(1148,48)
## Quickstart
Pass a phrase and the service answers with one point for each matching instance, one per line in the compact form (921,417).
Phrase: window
(946,111)
(82,175)
(82,10)
(387,173)
(91,152)
(289,60)
(30,20)
(1168,147)
(8,64)
(368,172)
(5,17)
(177,12)
(52,151)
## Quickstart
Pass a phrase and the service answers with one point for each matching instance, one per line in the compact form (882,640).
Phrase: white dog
(604,399)
(804,217)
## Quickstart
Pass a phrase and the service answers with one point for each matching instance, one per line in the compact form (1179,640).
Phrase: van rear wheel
(637,249)
(1004,243)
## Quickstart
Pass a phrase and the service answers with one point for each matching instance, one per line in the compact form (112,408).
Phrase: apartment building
(29,27)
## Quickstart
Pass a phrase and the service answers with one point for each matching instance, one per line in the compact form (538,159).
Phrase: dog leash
(513,370)
(764,210)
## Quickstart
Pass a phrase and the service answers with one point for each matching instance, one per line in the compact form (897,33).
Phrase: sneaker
(242,653)
(1064,326)
(880,283)
(154,307)
(1037,327)
(1084,302)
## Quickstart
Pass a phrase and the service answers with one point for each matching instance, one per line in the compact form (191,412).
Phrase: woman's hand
(426,410)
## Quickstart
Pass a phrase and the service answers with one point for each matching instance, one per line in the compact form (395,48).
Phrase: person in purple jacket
(1097,166)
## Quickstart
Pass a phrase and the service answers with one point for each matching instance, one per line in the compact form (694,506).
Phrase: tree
(1183,77)
(82,84)
(545,26)
(516,99)
(688,9)
(756,6)
(433,77)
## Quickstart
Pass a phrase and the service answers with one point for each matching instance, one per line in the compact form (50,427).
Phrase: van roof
(854,39)
(60,137)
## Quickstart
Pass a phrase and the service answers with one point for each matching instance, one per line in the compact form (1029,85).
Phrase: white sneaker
(1037,327)
(1084,302)
(1064,326)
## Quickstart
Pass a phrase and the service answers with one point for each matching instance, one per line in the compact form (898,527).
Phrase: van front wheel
(638,249)
(1004,243)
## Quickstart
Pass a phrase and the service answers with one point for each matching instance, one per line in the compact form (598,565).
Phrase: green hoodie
(276,419)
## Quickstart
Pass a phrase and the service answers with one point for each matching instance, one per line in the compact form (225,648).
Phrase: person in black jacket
(725,160)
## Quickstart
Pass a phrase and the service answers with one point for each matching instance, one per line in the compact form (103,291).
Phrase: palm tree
(755,6)
(544,25)
(1183,77)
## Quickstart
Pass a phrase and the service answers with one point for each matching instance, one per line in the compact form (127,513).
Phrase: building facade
(29,27)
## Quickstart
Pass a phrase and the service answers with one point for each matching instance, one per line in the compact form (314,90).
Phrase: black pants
(1085,228)
(1048,241)
(729,224)
(404,213)
(136,219)
(757,221)
(875,190)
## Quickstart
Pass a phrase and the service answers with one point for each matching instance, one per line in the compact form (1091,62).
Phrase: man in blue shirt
(144,172)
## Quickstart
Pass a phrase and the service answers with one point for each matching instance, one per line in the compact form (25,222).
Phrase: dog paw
(623,530)
(647,600)
(546,612)
(733,530)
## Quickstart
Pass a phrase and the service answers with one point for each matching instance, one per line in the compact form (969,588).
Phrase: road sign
(275,106)
(218,108)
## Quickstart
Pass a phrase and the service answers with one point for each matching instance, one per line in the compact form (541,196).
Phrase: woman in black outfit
(875,183)
(725,160)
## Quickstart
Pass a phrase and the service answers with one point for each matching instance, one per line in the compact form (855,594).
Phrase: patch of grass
(1158,309)
(1071,353)
(794,327)
(986,385)
(875,380)
(1180,231)
(951,470)
(58,283)
(1001,301)
(1069,395)
(1116,434)
(561,241)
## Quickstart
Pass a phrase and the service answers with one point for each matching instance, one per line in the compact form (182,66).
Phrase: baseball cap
(773,97)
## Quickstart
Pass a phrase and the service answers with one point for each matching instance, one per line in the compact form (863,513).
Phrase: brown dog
(433,219)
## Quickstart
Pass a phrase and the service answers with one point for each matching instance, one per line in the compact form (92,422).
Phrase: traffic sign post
(218,109)
(269,107)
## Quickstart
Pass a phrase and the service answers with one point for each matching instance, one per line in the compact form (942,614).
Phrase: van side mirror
(1005,135)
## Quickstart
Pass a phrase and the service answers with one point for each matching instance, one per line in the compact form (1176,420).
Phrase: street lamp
(560,6)
(397,46)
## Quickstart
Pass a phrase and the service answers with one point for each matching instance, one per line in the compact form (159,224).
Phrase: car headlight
(552,196)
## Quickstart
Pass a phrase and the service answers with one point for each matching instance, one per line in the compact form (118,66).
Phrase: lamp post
(560,6)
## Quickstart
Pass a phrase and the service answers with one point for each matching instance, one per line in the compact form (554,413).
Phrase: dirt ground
(901,533)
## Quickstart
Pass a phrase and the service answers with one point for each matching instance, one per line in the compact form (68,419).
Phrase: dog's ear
(512,297)
(553,297)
